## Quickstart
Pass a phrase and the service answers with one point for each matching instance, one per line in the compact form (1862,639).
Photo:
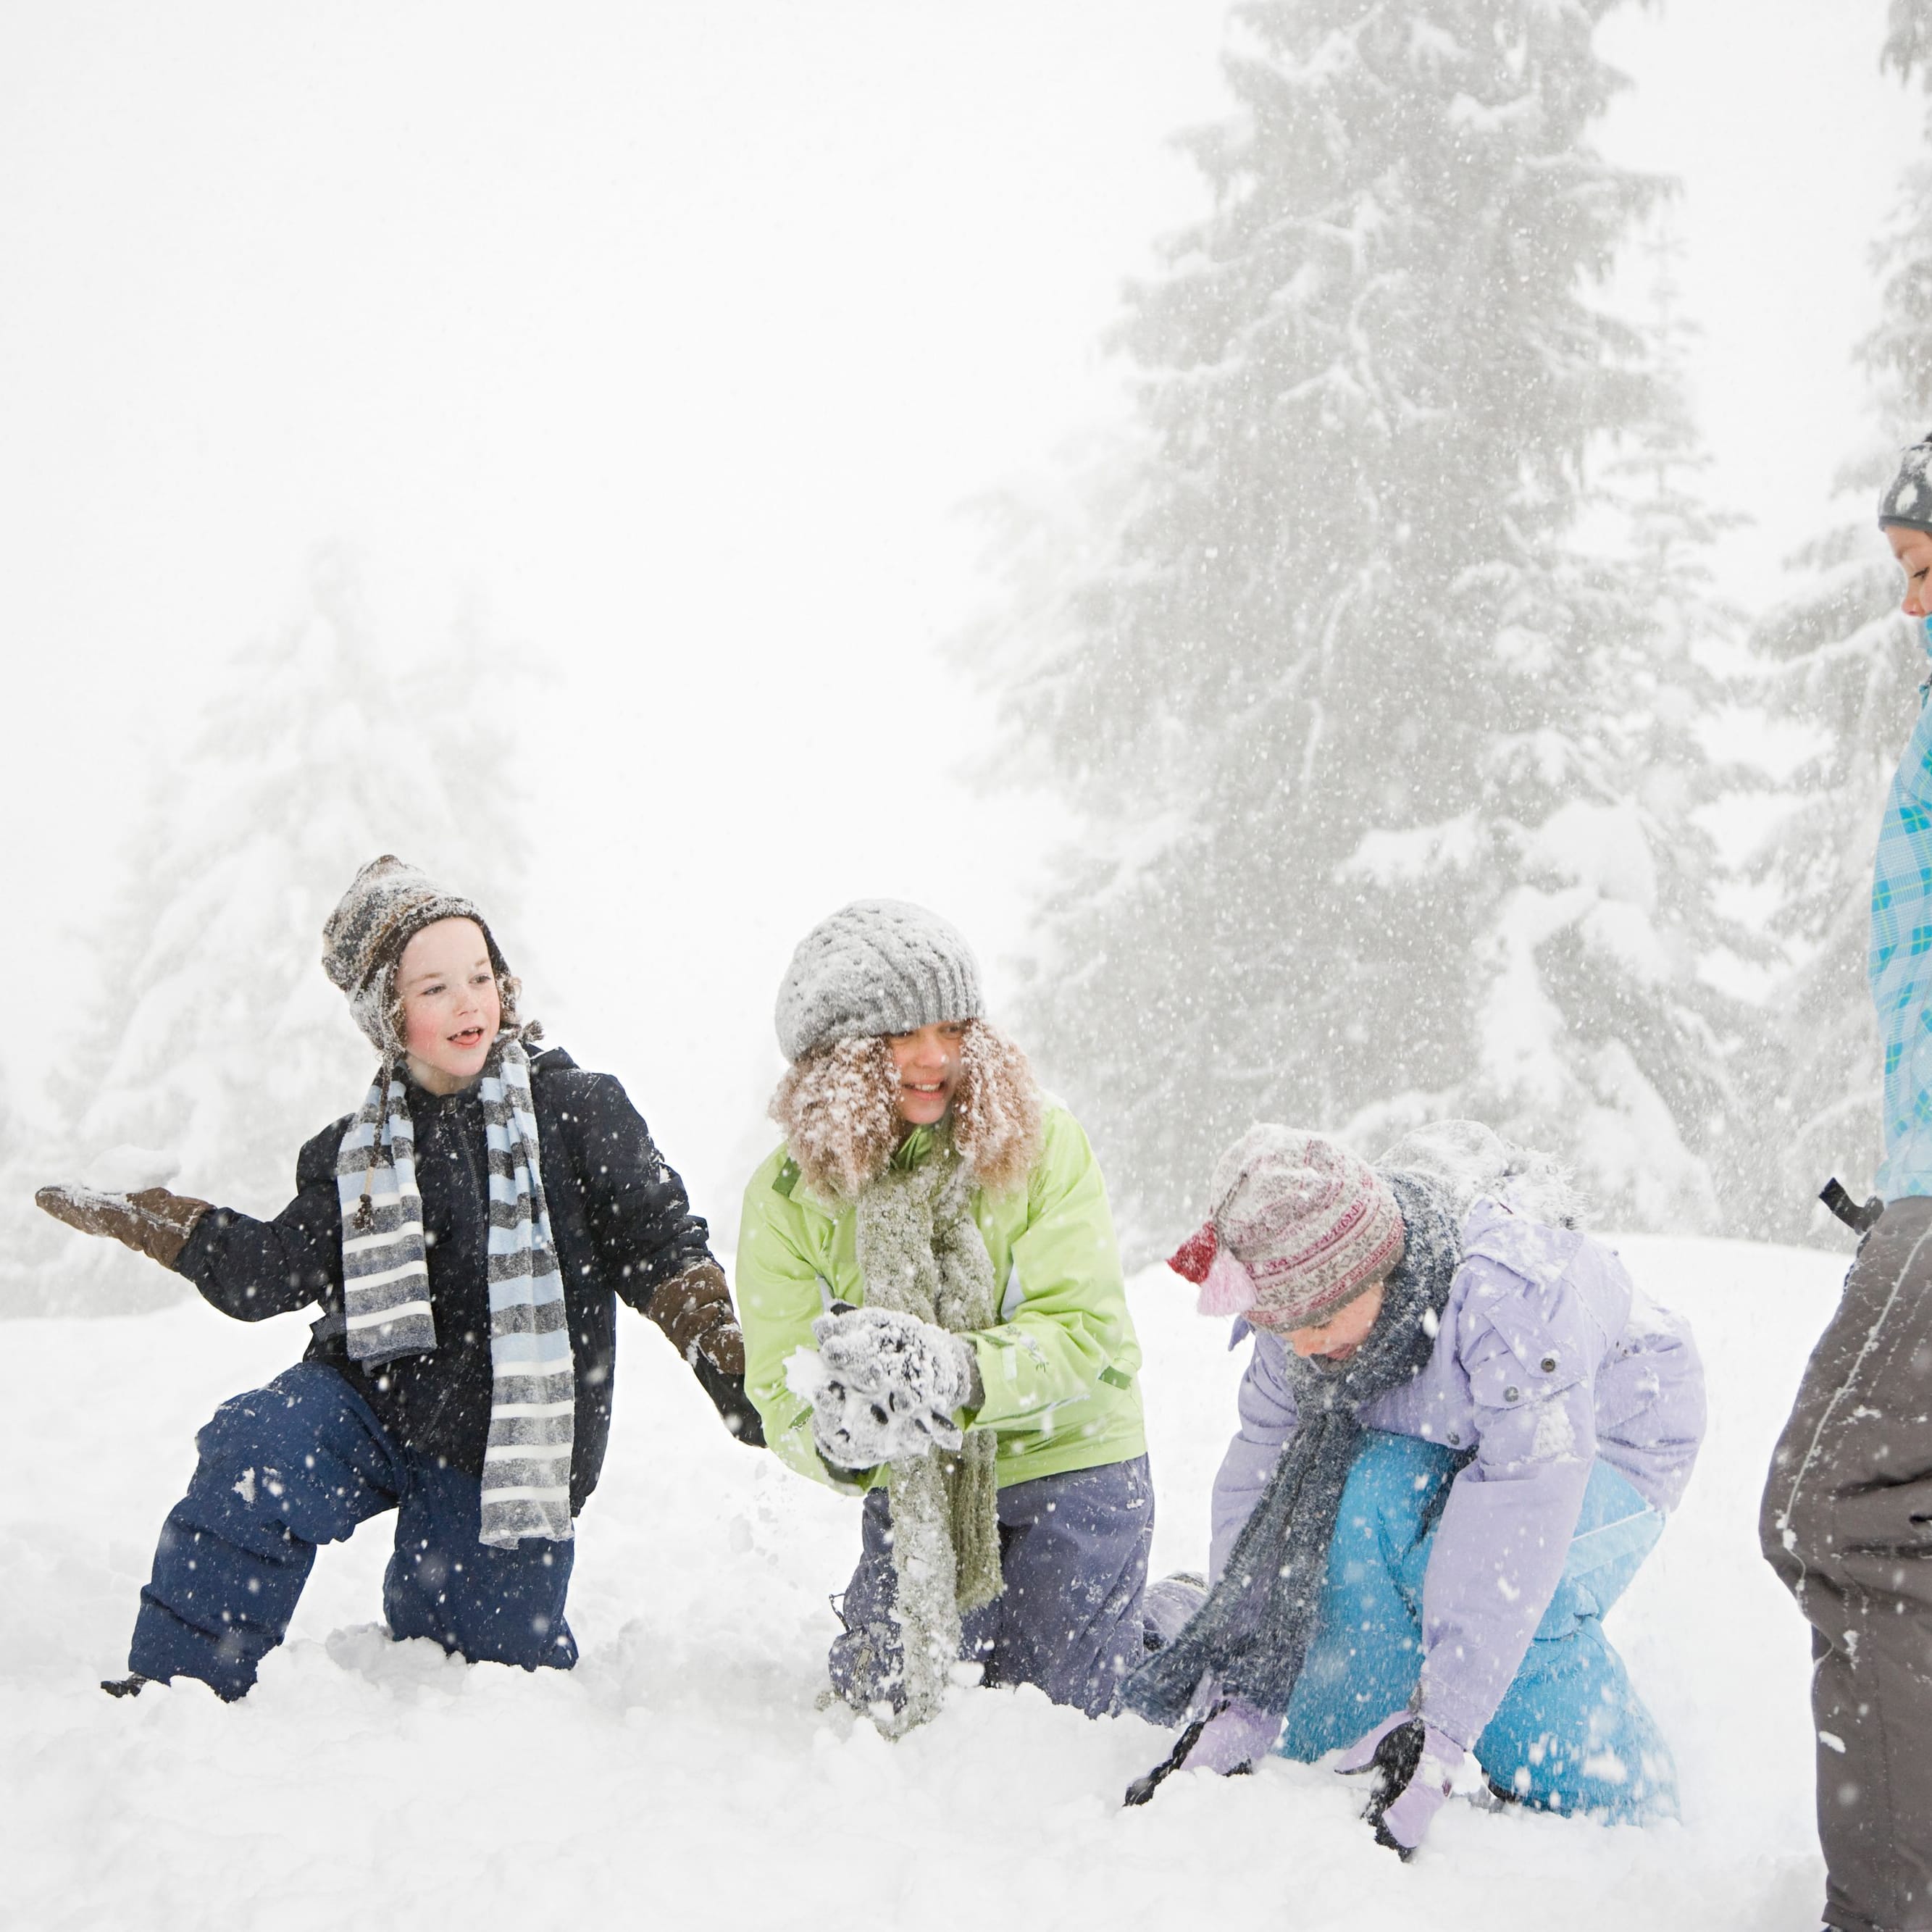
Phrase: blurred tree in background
(1387,775)
(216,1046)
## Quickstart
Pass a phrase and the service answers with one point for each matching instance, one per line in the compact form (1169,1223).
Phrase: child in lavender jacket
(1501,1475)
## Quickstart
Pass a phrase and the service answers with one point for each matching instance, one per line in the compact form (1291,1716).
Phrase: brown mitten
(694,1309)
(152,1221)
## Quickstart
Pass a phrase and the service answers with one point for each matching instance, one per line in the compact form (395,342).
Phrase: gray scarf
(1251,1635)
(921,1253)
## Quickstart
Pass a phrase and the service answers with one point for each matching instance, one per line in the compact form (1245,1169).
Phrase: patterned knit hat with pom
(1300,1227)
(387,904)
(876,966)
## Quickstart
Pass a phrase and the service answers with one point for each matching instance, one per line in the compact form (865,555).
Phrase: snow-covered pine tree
(1361,843)
(1616,917)
(1843,663)
(25,1235)
(1908,39)
(216,1046)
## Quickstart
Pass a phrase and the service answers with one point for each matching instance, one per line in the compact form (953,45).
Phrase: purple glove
(1234,1739)
(1416,1766)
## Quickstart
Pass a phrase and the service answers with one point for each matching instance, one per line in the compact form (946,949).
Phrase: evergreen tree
(216,1046)
(25,1242)
(1843,664)
(1616,915)
(1352,718)
(1908,39)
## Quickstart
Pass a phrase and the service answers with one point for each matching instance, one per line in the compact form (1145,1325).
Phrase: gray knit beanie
(386,905)
(1907,501)
(876,966)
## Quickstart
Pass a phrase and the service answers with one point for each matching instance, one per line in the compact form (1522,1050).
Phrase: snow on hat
(1907,501)
(876,966)
(1300,1227)
(387,904)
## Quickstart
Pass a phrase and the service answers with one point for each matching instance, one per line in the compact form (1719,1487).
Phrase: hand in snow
(1234,1739)
(152,1221)
(1415,1767)
(886,1387)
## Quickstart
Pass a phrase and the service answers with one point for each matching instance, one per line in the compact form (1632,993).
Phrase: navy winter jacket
(619,1214)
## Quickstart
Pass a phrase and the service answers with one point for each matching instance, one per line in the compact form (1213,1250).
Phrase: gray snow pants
(1073,1551)
(1846,1523)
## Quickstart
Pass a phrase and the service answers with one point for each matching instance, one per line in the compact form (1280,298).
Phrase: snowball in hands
(882,1386)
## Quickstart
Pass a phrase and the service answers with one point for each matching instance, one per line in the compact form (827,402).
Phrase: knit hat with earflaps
(1907,501)
(387,905)
(876,966)
(1300,1227)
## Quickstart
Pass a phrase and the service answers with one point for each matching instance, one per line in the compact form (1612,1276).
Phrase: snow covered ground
(682,1776)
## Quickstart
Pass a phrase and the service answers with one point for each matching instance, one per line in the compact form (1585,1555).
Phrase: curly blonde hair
(839,1107)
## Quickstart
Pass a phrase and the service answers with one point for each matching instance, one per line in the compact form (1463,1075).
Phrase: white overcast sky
(673,336)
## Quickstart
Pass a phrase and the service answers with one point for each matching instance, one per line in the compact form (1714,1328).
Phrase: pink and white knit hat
(1299,1227)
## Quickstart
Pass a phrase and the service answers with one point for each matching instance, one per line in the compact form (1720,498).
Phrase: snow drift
(686,1777)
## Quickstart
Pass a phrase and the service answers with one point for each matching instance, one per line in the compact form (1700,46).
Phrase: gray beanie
(1907,501)
(386,905)
(876,966)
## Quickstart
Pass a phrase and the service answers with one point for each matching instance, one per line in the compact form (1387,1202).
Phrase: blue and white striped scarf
(386,1296)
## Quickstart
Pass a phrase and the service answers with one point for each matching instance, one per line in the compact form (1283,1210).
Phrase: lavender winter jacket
(1547,1358)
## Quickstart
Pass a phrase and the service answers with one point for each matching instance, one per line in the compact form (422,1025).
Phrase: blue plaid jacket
(1900,963)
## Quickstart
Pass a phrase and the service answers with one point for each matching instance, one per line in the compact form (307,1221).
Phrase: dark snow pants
(1846,1523)
(303,1462)
(1073,1552)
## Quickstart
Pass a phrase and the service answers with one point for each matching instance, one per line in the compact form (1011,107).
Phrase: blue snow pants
(303,1462)
(1073,1552)
(1571,1734)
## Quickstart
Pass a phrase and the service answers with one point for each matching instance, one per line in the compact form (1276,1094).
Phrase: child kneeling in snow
(463,1233)
(934,1313)
(1460,1430)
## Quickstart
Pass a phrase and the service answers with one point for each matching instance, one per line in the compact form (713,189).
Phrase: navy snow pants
(303,1462)
(1073,1551)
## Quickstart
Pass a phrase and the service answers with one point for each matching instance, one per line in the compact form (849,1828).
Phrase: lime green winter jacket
(1060,1367)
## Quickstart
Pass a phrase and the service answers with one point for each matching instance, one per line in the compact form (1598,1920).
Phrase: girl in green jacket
(934,1317)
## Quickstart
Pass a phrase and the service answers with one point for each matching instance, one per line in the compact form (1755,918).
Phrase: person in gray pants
(1074,1546)
(1847,1526)
(1847,1521)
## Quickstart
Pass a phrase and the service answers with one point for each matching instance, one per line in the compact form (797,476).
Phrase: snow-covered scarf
(1252,1633)
(385,1287)
(920,1252)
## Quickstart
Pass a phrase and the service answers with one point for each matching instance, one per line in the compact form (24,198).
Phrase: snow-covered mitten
(849,1429)
(887,1386)
(694,1309)
(1234,1739)
(1415,1765)
(151,1221)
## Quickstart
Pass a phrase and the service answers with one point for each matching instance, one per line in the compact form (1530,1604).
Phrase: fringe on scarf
(526,1465)
(920,1252)
(839,1107)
